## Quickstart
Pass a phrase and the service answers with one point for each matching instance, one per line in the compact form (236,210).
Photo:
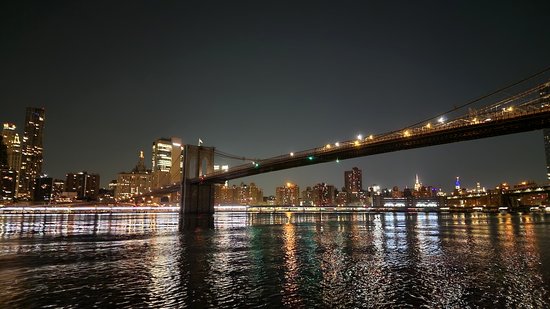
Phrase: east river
(239,260)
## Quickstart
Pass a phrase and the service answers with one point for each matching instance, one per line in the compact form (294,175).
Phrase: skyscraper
(417,184)
(167,161)
(13,150)
(31,151)
(545,97)
(353,180)
(546,133)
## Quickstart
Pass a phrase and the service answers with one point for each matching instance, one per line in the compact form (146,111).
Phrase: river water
(361,260)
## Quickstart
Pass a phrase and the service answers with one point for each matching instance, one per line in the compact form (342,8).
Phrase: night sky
(261,78)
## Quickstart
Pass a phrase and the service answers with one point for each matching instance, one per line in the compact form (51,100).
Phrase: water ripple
(275,260)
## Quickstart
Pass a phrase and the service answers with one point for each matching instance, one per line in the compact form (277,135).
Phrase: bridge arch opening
(204,167)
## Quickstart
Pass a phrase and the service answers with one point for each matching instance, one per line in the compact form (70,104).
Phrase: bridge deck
(415,138)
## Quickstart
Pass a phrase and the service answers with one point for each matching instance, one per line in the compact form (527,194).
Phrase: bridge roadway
(524,112)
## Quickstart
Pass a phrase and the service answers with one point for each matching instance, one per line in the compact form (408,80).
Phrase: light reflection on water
(275,260)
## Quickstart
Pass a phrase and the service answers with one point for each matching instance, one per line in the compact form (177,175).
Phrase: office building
(417,184)
(7,184)
(32,149)
(43,190)
(84,184)
(167,161)
(12,142)
(136,182)
(546,133)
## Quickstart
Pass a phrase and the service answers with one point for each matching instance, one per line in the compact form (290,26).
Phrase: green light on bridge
(310,158)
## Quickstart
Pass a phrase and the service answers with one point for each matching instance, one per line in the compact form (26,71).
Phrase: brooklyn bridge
(523,111)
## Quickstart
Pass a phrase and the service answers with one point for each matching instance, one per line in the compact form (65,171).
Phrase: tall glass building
(546,133)
(32,149)
(167,161)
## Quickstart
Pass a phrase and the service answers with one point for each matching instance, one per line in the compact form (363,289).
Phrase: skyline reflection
(291,260)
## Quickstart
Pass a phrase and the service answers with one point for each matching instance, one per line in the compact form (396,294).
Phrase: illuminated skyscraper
(417,184)
(353,180)
(167,161)
(546,133)
(11,140)
(31,151)
(545,97)
(13,148)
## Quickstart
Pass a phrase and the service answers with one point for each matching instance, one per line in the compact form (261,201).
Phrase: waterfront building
(138,181)
(395,193)
(58,188)
(353,180)
(84,184)
(288,195)
(256,194)
(323,194)
(238,195)
(43,190)
(307,197)
(31,152)
(546,133)
(167,161)
(353,185)
(11,139)
(221,194)
(7,184)
(342,198)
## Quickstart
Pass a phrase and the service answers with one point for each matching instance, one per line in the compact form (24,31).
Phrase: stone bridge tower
(197,197)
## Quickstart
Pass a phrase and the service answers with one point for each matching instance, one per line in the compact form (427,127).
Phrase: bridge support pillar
(197,198)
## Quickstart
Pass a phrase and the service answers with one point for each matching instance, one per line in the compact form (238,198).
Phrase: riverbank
(48,209)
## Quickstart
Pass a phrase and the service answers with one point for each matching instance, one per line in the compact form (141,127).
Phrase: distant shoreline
(252,209)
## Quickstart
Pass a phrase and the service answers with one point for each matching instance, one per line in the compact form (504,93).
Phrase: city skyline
(260,81)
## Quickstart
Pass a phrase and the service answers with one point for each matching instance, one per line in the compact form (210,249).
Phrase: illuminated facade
(167,161)
(288,195)
(136,182)
(7,185)
(323,195)
(353,180)
(238,195)
(546,133)
(307,197)
(417,184)
(13,144)
(32,149)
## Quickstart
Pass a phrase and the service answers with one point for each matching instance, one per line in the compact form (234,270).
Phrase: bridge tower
(197,197)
